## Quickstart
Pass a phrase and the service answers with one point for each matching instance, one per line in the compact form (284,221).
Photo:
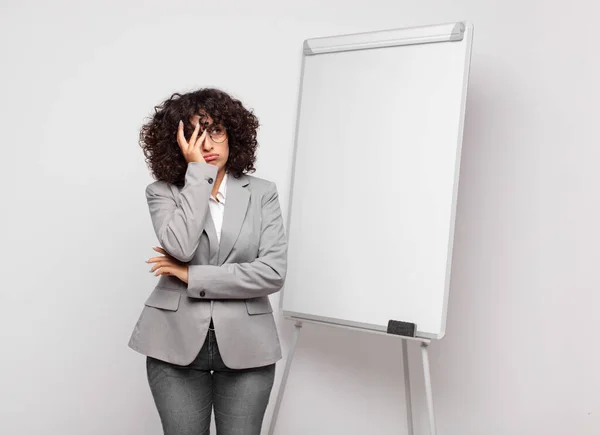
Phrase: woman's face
(215,153)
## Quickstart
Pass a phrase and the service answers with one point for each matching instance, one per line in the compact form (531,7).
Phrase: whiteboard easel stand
(407,390)
(442,33)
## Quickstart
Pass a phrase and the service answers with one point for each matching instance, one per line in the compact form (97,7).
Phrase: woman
(207,329)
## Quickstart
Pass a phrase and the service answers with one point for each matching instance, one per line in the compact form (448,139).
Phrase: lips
(209,157)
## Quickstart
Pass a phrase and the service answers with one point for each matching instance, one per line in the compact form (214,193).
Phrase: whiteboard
(375,177)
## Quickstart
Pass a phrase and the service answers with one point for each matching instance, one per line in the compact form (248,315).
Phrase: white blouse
(217,208)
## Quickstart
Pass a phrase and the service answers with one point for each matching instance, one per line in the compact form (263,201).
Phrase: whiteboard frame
(460,32)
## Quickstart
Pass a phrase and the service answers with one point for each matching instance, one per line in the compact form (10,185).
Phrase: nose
(207,143)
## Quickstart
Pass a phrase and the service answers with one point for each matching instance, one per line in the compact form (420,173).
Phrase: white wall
(520,355)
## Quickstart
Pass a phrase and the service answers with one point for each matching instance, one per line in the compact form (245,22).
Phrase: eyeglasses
(216,132)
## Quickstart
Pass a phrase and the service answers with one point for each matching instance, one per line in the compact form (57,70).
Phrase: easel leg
(286,372)
(428,390)
(409,414)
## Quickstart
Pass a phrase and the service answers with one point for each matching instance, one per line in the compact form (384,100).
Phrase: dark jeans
(185,395)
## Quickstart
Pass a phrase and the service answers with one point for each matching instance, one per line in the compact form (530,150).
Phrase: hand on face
(192,150)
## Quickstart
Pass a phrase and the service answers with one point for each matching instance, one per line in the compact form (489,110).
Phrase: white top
(217,208)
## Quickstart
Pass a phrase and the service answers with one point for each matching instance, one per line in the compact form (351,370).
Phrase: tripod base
(407,389)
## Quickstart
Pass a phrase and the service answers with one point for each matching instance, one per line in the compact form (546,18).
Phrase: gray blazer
(229,282)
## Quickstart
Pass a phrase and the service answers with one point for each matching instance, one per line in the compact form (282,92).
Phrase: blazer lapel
(211,232)
(236,204)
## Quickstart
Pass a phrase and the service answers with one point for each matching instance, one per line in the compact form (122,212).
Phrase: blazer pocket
(164,299)
(260,305)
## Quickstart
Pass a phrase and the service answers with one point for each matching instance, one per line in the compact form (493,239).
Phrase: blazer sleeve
(178,227)
(261,277)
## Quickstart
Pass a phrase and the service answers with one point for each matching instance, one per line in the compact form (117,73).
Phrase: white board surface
(375,181)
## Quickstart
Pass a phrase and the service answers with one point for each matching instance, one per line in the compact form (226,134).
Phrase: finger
(152,259)
(166,254)
(181,137)
(202,137)
(160,264)
(165,261)
(163,271)
(195,133)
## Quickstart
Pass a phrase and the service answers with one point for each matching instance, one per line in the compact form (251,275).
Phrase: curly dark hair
(158,137)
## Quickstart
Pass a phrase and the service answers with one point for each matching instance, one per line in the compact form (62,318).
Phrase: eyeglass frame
(204,127)
(210,132)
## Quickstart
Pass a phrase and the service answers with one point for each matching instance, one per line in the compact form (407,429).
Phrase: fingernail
(180,122)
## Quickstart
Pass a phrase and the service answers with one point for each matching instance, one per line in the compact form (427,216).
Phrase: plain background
(521,352)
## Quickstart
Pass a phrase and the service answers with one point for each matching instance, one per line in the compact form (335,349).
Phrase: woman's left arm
(261,277)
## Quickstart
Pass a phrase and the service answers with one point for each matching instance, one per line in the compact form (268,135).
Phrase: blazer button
(210,180)
(202,293)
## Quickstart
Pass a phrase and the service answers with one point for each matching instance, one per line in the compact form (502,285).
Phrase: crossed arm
(179,227)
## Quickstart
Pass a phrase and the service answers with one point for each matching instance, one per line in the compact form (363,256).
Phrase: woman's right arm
(178,227)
